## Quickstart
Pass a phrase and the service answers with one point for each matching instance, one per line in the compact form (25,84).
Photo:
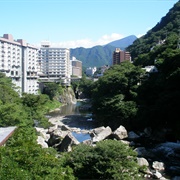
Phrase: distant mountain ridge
(124,42)
(101,55)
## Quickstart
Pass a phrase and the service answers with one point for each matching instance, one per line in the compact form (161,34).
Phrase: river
(73,116)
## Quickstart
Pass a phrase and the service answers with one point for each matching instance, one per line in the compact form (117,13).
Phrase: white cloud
(139,35)
(109,38)
(87,43)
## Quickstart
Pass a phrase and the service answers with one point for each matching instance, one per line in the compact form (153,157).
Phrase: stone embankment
(60,137)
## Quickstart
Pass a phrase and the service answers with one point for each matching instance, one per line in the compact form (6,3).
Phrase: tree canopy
(114,95)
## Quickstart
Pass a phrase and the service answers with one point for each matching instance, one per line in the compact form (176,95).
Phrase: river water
(75,117)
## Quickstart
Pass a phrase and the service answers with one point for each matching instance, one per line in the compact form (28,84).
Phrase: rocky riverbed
(162,159)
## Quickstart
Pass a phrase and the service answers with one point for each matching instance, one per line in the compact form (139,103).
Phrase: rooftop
(5,133)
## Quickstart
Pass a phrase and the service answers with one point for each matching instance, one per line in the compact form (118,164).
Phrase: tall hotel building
(54,64)
(18,60)
(120,56)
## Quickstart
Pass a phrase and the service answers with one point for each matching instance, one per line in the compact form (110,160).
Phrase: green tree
(115,93)
(52,89)
(109,159)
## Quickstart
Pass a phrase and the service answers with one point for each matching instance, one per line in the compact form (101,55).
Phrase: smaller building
(150,69)
(76,67)
(90,71)
(104,68)
(120,56)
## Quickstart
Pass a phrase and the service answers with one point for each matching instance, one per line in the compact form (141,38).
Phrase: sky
(80,23)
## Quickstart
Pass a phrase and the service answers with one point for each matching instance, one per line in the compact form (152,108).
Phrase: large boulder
(159,166)
(52,128)
(142,162)
(101,133)
(56,137)
(41,141)
(120,133)
(43,133)
(132,136)
(67,143)
(98,130)
(65,128)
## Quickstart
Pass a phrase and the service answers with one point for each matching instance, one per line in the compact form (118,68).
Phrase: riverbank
(73,116)
(72,121)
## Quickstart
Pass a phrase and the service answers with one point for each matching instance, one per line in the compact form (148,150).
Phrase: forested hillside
(160,40)
(95,56)
(125,96)
(100,55)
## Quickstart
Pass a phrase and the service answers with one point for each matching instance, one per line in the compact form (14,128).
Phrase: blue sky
(75,23)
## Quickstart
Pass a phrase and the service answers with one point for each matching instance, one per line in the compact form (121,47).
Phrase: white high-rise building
(54,63)
(18,60)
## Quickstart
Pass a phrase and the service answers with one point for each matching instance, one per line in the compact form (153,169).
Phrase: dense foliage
(159,95)
(83,87)
(114,95)
(52,89)
(123,96)
(109,159)
(22,157)
(163,37)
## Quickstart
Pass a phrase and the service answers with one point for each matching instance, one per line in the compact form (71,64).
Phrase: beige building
(76,67)
(18,60)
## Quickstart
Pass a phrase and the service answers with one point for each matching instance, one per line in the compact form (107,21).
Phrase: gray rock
(132,135)
(142,162)
(65,128)
(141,151)
(98,130)
(120,133)
(67,143)
(148,131)
(41,141)
(87,142)
(157,175)
(159,166)
(176,178)
(102,134)
(52,128)
(125,142)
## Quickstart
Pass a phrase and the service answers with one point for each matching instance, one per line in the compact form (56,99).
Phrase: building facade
(18,60)
(90,71)
(76,67)
(54,64)
(120,56)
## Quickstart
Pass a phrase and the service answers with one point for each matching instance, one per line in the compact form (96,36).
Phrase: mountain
(124,42)
(159,93)
(100,55)
(164,35)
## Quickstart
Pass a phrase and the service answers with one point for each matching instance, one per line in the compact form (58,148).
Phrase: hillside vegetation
(23,158)
(125,96)
(100,55)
